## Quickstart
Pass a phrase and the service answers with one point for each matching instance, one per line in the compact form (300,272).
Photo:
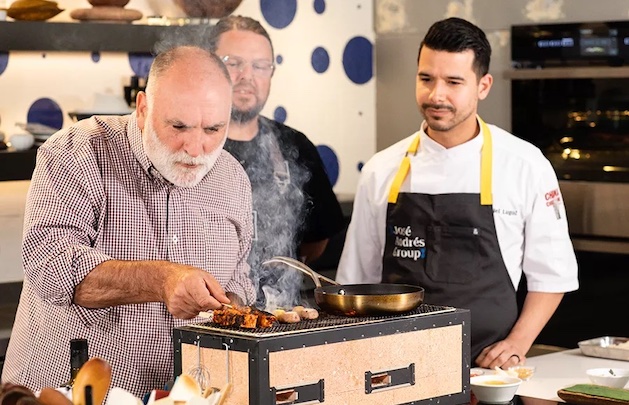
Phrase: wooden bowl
(208,8)
(110,3)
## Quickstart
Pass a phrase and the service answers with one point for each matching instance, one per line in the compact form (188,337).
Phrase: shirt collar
(428,145)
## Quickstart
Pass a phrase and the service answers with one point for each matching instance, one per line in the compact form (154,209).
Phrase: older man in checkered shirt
(133,226)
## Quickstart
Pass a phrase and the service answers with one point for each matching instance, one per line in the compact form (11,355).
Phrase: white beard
(168,163)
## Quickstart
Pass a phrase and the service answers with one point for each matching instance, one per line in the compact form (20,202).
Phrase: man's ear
(484,85)
(141,108)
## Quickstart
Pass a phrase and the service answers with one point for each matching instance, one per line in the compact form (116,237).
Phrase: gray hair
(166,59)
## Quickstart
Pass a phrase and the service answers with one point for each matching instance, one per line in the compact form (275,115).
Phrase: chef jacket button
(175,239)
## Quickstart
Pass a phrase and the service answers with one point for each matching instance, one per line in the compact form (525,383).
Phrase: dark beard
(244,116)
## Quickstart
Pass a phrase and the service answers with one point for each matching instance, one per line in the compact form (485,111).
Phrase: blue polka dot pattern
(45,111)
(358,60)
(319,6)
(278,13)
(360,166)
(330,163)
(279,59)
(140,63)
(320,60)
(4,61)
(279,114)
(95,57)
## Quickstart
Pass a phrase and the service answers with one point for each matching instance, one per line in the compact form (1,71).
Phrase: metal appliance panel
(598,215)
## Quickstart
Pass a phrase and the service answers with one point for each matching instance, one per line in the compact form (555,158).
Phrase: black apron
(447,244)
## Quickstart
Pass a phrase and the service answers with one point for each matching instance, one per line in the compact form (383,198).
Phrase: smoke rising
(188,35)
(277,181)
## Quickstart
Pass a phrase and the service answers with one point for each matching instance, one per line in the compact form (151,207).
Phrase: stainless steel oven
(570,97)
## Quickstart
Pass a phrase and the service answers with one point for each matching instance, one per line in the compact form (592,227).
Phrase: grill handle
(297,265)
(299,394)
(389,379)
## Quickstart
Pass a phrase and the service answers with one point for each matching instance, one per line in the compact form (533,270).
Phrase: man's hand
(501,354)
(188,290)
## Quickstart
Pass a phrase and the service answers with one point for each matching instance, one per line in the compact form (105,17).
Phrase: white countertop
(559,370)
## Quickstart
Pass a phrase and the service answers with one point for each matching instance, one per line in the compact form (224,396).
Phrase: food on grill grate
(243,317)
(306,313)
(288,317)
(298,313)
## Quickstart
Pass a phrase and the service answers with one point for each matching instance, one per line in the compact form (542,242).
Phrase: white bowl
(609,377)
(494,388)
(22,141)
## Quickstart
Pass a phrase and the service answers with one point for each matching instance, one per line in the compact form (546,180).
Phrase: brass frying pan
(357,299)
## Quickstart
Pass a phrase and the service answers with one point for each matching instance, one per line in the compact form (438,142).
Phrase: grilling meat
(288,317)
(243,317)
(299,313)
(306,313)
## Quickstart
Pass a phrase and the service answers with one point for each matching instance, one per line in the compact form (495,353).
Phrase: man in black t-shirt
(295,209)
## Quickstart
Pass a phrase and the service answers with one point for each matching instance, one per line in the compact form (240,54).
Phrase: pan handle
(297,265)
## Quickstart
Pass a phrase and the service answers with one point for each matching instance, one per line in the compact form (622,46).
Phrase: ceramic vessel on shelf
(208,8)
(112,3)
(27,10)
(22,141)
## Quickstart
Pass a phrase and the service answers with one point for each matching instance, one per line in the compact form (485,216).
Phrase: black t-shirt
(293,201)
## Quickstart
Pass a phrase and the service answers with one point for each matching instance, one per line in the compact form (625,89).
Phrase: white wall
(12,199)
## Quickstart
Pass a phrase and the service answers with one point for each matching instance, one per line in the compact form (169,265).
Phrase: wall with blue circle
(323,85)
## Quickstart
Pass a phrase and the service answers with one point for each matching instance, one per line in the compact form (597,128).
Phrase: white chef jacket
(529,214)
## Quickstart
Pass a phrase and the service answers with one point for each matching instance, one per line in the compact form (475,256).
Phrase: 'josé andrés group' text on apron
(447,244)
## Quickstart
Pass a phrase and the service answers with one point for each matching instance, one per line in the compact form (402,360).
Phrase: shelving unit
(70,37)
(85,36)
(17,165)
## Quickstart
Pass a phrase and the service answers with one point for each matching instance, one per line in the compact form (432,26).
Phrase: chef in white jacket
(462,208)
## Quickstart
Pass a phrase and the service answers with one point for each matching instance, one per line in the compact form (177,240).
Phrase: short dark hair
(458,35)
(240,23)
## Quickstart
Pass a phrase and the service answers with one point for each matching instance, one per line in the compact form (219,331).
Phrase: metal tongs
(297,265)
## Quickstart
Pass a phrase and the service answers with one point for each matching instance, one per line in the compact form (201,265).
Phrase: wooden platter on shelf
(106,13)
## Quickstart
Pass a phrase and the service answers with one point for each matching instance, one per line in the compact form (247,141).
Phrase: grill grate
(325,321)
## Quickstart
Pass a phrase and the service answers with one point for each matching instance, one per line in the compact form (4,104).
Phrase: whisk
(199,372)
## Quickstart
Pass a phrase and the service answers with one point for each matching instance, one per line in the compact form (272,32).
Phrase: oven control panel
(570,44)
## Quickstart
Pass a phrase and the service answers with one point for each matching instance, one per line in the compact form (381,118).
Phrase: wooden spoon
(50,396)
(97,373)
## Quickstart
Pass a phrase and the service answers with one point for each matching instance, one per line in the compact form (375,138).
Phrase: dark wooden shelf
(84,36)
(17,165)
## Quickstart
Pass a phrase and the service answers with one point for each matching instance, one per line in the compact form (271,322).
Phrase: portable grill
(412,358)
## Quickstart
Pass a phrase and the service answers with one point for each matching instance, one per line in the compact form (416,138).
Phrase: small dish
(494,388)
(523,372)
(609,377)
